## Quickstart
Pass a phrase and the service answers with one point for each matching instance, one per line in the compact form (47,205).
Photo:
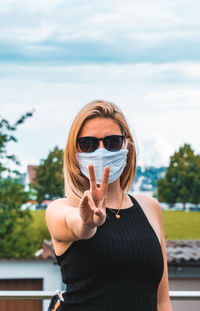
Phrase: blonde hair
(75,182)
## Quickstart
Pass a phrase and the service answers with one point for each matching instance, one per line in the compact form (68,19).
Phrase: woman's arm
(64,222)
(163,299)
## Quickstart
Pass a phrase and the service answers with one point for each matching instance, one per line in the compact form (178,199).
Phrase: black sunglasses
(90,143)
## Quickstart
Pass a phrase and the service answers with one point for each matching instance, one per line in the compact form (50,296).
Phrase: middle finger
(105,180)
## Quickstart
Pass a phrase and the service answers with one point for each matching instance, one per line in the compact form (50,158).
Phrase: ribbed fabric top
(118,269)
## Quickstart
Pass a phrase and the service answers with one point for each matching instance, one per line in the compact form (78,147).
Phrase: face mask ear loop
(126,143)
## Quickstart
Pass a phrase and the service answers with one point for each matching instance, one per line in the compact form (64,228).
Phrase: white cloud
(155,151)
(162,114)
(36,5)
(142,55)
(123,28)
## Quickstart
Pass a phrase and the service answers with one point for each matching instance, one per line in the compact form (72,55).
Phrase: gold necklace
(117,213)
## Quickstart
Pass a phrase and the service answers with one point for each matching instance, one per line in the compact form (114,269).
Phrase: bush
(38,229)
(27,235)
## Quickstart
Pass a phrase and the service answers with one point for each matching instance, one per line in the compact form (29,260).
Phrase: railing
(27,294)
(184,295)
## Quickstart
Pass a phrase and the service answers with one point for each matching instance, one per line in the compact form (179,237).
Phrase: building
(184,270)
(32,274)
(31,172)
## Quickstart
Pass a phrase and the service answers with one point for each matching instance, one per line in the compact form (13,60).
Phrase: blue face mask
(101,158)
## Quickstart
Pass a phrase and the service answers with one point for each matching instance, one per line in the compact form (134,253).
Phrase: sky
(56,56)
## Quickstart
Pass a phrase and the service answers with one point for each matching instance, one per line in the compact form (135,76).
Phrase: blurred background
(55,57)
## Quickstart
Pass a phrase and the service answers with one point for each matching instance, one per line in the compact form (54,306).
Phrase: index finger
(105,179)
(92,178)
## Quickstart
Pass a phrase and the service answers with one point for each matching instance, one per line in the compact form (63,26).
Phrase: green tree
(49,181)
(12,219)
(181,182)
(7,136)
(12,195)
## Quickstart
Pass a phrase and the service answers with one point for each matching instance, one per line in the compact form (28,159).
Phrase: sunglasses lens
(88,144)
(113,143)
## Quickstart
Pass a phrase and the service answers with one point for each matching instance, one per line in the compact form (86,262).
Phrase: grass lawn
(181,225)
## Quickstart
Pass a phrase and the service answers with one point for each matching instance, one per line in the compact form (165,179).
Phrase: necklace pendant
(117,216)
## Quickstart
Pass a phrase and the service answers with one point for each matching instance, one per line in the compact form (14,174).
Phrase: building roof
(31,170)
(184,252)
(179,252)
(47,251)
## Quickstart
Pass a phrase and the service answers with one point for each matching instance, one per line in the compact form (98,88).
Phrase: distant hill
(146,177)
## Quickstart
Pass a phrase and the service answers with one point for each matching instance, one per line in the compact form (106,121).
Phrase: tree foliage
(181,182)
(12,195)
(49,181)
(6,136)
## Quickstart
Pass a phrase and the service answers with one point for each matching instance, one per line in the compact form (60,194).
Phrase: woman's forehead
(95,126)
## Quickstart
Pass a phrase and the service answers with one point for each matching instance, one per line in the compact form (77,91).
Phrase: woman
(110,246)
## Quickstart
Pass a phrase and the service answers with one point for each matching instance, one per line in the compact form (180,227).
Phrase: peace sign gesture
(92,205)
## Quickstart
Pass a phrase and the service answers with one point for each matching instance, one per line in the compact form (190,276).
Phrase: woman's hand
(68,223)
(92,205)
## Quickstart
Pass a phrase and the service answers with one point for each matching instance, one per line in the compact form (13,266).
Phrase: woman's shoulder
(152,210)
(58,202)
(147,202)
(58,207)
(62,202)
(145,197)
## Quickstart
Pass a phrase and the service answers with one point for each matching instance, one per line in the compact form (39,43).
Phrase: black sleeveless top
(118,269)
